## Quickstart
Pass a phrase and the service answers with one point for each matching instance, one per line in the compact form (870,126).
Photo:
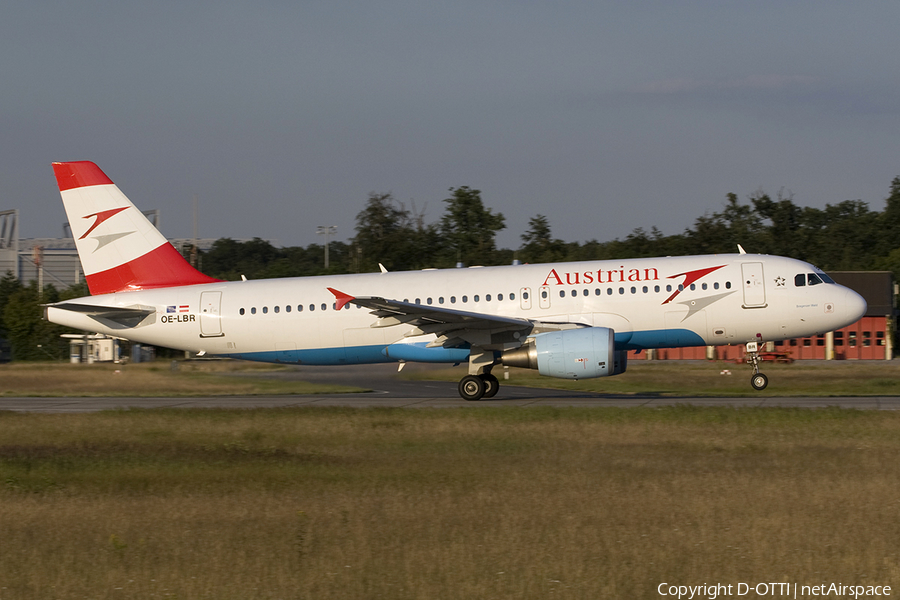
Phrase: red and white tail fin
(120,250)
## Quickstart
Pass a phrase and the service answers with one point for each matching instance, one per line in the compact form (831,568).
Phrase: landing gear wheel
(491,385)
(759,381)
(472,387)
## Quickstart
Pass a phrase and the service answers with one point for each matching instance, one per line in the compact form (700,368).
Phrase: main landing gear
(758,380)
(476,387)
(479,383)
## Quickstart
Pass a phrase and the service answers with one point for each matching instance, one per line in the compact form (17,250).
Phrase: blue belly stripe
(355,355)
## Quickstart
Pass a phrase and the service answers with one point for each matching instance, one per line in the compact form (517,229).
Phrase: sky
(603,116)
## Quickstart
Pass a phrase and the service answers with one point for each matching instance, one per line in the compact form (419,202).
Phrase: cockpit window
(800,280)
(826,278)
(813,279)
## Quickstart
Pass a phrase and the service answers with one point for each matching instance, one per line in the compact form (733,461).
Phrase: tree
(783,235)
(469,229)
(538,244)
(228,259)
(9,285)
(29,335)
(387,233)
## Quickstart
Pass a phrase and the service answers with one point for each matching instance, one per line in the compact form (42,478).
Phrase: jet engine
(570,354)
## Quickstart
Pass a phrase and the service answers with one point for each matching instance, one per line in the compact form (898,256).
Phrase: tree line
(845,236)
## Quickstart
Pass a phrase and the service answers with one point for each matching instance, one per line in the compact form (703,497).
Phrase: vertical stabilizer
(119,248)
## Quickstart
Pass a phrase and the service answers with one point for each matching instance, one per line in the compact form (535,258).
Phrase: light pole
(326,230)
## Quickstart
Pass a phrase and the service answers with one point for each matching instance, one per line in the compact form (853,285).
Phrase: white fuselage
(729,299)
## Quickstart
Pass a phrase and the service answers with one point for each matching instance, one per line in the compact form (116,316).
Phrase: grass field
(402,504)
(176,378)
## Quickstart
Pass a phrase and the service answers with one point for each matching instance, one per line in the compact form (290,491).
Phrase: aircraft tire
(759,381)
(471,387)
(491,385)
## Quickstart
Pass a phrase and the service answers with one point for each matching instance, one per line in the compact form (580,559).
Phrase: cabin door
(210,314)
(754,285)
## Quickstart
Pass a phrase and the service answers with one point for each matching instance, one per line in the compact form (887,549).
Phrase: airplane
(571,320)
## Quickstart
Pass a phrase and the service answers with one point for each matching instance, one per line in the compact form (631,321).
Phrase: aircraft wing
(452,327)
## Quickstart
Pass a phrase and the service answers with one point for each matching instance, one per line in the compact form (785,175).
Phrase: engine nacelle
(571,354)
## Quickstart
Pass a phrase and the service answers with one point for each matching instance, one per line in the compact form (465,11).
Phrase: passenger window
(693,286)
(299,308)
(727,285)
(452,299)
(716,285)
(441,300)
(621,290)
(668,288)
(487,298)
(476,298)
(703,287)
(574,293)
(646,289)
(312,307)
(428,300)
(586,292)
(277,309)
(418,301)
(633,290)
(465,299)
(242,311)
(324,306)
(525,295)
(800,280)
(513,297)
(544,294)
(265,310)
(287,308)
(656,288)
(562,293)
(253,311)
(609,291)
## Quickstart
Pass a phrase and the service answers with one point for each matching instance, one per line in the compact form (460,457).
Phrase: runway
(389,391)
(520,398)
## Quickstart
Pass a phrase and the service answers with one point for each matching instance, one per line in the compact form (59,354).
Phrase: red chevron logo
(102,216)
(689,278)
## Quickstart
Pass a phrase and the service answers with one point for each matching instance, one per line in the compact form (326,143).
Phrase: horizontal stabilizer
(128,316)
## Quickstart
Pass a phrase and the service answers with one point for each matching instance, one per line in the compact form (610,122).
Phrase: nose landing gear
(758,380)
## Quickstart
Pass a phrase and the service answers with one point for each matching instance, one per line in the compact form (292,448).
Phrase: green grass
(392,503)
(200,378)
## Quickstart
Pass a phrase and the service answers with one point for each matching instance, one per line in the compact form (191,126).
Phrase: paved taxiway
(390,391)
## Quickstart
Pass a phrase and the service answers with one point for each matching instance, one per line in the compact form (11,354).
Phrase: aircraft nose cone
(854,306)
